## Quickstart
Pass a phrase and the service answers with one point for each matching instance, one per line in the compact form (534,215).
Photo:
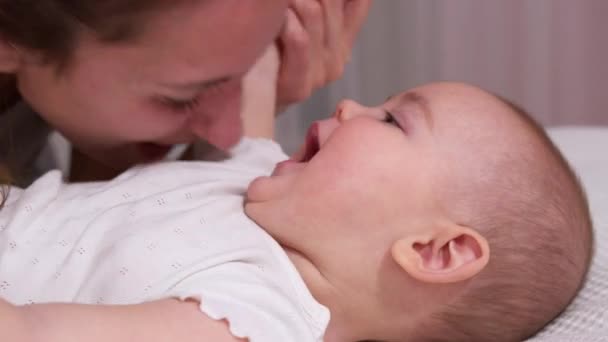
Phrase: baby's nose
(349,109)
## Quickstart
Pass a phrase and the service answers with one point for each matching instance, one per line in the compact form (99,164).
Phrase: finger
(327,51)
(333,11)
(337,48)
(355,13)
(311,16)
(294,81)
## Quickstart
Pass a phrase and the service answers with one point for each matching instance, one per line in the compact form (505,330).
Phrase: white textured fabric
(167,230)
(586,320)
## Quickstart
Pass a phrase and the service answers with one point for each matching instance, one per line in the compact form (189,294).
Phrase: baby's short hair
(533,211)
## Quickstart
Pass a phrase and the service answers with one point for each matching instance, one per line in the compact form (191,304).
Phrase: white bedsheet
(586,320)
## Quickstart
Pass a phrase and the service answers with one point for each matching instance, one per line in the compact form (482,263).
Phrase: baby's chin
(255,191)
(261,211)
(250,210)
(255,199)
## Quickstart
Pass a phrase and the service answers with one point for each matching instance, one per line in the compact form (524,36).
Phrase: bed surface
(587,317)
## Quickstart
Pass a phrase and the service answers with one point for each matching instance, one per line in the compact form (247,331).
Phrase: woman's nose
(219,123)
(223,132)
(349,109)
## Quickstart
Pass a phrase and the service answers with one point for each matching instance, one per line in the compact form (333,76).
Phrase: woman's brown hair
(51,29)
(4,179)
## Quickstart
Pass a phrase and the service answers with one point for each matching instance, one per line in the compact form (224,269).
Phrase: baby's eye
(390,119)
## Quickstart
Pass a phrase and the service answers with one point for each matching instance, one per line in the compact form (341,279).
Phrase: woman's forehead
(200,43)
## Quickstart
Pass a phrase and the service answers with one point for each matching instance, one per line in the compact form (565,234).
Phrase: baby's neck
(340,328)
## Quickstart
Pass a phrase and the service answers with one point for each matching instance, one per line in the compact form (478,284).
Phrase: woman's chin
(151,152)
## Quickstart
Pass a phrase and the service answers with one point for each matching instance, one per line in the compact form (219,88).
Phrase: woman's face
(178,81)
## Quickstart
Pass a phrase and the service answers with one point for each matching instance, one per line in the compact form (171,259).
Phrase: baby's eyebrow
(419,100)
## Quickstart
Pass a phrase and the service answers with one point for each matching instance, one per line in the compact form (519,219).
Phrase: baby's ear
(448,254)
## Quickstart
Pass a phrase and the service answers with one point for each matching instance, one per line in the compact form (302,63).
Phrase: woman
(125,81)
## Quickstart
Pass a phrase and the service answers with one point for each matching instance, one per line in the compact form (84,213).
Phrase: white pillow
(586,320)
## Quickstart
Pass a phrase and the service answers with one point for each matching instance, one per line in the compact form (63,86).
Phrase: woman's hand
(164,320)
(315,45)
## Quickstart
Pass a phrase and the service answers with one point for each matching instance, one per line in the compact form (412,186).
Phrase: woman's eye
(187,105)
(180,105)
(390,119)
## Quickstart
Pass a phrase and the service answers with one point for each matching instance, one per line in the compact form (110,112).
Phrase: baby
(445,214)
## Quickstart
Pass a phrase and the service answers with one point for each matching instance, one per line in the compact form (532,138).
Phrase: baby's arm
(260,96)
(165,320)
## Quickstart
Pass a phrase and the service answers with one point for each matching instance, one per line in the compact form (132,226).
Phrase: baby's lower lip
(286,166)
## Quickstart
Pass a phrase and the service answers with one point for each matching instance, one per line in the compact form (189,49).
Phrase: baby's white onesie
(168,230)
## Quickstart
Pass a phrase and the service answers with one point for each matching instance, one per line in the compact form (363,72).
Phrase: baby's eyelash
(390,119)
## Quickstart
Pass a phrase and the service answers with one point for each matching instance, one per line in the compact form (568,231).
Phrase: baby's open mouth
(299,160)
(311,145)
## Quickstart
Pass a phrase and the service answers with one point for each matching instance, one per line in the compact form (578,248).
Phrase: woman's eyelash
(190,104)
(180,105)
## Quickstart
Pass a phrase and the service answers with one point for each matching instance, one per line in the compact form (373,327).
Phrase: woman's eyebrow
(419,100)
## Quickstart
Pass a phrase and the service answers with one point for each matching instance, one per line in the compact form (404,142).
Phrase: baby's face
(370,175)
(359,172)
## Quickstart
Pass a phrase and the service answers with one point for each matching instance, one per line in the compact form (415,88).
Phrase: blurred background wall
(550,56)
